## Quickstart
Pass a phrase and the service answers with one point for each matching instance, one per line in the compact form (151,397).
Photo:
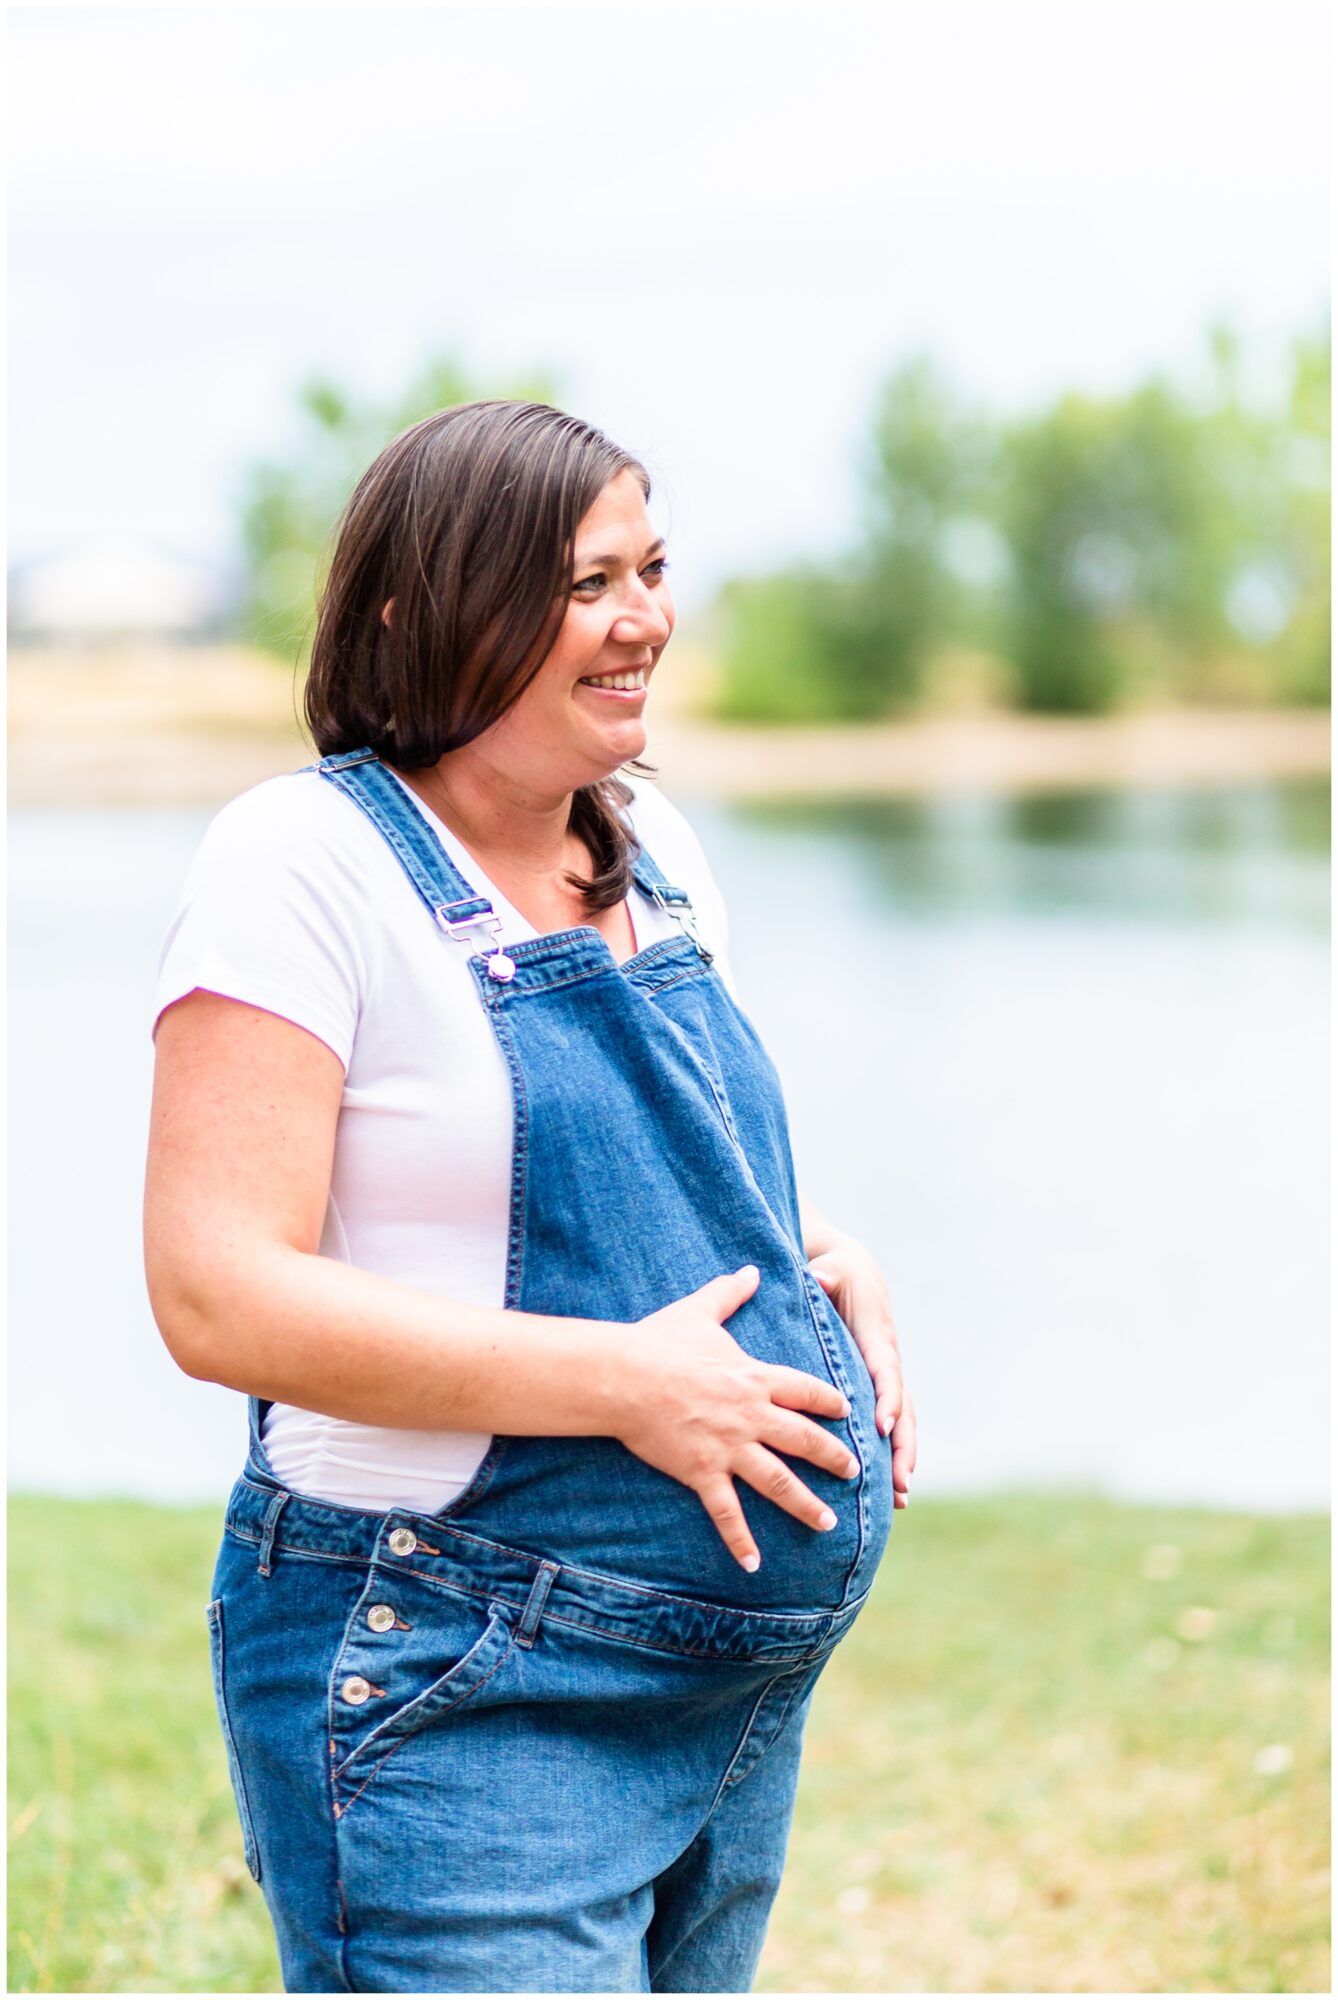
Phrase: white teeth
(636,680)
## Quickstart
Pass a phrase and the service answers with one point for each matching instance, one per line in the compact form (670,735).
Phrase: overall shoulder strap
(361,777)
(675,902)
(452,901)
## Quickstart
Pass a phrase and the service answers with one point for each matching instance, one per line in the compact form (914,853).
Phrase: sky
(717,228)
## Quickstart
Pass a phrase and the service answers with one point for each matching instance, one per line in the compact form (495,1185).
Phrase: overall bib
(547,1738)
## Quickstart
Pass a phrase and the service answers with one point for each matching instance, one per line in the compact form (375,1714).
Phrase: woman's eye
(657,569)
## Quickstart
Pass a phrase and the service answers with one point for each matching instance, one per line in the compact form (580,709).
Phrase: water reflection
(1249,854)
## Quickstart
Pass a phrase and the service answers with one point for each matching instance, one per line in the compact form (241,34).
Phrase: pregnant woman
(575,1431)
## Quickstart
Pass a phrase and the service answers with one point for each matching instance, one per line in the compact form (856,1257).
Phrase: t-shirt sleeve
(266,916)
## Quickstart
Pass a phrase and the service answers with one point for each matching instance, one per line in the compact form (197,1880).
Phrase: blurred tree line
(1167,544)
(1159,545)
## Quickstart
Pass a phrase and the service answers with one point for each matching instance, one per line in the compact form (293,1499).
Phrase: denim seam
(422,856)
(608,1631)
(407,1707)
(579,1624)
(810,1286)
(218,1649)
(682,1652)
(401,1741)
(341,1915)
(520,1156)
(291,1548)
(532,990)
(506,995)
(689,972)
(725,1785)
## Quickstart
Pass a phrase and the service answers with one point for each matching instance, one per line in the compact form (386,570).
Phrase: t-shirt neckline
(515,927)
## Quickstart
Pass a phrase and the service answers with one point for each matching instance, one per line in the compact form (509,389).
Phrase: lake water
(1061,1061)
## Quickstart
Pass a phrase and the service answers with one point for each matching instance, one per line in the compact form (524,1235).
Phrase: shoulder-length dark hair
(468,520)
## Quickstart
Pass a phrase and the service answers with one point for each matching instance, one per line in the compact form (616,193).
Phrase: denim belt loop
(534,1604)
(272,1513)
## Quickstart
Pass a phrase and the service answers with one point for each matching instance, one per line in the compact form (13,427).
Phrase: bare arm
(241,1144)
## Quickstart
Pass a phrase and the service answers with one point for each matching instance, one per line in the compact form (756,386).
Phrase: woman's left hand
(856,1287)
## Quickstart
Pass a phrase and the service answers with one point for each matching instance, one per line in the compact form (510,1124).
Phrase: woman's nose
(647,621)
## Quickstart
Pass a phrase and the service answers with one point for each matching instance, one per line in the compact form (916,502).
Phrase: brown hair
(468,520)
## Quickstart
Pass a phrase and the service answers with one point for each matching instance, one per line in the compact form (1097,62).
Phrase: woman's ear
(386,610)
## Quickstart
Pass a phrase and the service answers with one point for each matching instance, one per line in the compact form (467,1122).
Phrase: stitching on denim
(604,1631)
(295,1549)
(408,1707)
(683,1652)
(796,1675)
(737,1752)
(612,1632)
(341,1919)
(813,1291)
(520,1161)
(511,995)
(400,1741)
(218,1649)
(796,1680)
(689,972)
(431,862)
(654,1597)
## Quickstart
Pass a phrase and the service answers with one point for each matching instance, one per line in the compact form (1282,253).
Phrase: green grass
(1034,1765)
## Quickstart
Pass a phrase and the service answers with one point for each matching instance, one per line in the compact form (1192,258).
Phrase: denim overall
(547,1739)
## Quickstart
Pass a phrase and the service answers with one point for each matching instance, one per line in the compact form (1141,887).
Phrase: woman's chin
(619,744)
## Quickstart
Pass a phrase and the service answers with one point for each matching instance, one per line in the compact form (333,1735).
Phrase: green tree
(851,641)
(1109,512)
(928,468)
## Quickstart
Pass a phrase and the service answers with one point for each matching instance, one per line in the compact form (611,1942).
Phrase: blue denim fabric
(547,1739)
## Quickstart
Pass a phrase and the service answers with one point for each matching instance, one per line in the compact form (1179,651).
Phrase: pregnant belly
(591,1503)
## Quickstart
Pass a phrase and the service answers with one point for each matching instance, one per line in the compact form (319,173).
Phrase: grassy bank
(1071,1746)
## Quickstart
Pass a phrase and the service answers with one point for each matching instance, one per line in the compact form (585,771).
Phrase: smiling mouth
(627,685)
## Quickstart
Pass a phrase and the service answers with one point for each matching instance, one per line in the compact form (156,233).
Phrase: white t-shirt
(295,903)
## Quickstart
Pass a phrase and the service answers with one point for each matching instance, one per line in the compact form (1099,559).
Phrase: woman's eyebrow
(612,561)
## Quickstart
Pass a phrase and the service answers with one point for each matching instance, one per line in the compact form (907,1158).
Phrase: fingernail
(750,1271)
(826,1518)
(752,1562)
(852,1468)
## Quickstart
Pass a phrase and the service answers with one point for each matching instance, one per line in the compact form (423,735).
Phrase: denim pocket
(390,1685)
(214,1613)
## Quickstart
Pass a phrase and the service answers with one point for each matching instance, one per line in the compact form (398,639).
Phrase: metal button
(403,1541)
(356,1689)
(381,1617)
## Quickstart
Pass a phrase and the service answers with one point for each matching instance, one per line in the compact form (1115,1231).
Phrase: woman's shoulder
(296,822)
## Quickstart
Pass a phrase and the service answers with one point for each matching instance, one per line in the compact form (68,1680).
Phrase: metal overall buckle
(683,914)
(498,964)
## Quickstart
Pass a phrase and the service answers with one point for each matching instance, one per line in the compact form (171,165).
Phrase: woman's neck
(497,819)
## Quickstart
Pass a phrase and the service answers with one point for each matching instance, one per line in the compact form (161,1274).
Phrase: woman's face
(563,733)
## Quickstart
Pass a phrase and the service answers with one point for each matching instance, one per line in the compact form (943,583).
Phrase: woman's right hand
(704,1411)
